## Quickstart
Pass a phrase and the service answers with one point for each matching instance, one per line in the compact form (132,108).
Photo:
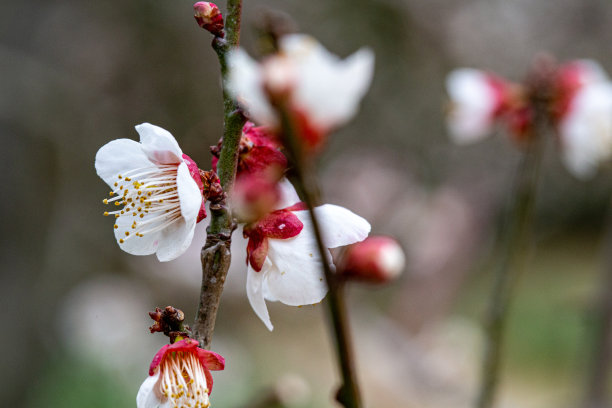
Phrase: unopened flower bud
(377,259)
(209,17)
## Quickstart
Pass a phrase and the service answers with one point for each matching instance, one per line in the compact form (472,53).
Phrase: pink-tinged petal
(118,157)
(256,296)
(211,360)
(244,84)
(339,226)
(146,397)
(158,144)
(280,224)
(296,278)
(214,162)
(189,194)
(194,171)
(288,194)
(474,103)
(176,238)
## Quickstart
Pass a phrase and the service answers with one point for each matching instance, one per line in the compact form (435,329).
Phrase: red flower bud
(209,17)
(377,259)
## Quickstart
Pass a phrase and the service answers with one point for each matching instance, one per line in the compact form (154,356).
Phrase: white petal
(145,245)
(592,72)
(119,156)
(189,193)
(288,195)
(339,225)
(473,103)
(329,89)
(146,397)
(296,277)
(175,239)
(159,144)
(245,85)
(586,131)
(256,295)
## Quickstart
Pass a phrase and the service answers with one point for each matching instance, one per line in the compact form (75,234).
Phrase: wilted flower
(376,259)
(159,188)
(283,263)
(179,376)
(322,91)
(477,98)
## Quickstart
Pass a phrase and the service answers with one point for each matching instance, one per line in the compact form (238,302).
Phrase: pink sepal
(280,224)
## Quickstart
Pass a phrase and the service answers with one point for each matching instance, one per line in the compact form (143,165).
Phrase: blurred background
(75,75)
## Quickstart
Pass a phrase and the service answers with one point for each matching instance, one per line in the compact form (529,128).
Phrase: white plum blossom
(158,199)
(586,129)
(284,264)
(324,89)
(475,98)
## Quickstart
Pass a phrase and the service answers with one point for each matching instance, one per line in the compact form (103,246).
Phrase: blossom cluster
(158,195)
(579,107)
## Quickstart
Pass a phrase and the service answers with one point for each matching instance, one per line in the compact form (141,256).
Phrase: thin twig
(215,255)
(348,393)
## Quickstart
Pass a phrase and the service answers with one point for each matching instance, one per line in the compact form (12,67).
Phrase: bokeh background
(75,75)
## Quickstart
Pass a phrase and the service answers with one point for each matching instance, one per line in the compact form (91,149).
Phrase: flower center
(182,380)
(149,196)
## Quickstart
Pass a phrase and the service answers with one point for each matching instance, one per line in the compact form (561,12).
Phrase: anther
(106,213)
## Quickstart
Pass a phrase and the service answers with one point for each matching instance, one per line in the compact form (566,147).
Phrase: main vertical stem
(515,237)
(215,255)
(348,393)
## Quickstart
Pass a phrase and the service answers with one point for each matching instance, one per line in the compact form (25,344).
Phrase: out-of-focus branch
(215,255)
(601,358)
(348,394)
(514,240)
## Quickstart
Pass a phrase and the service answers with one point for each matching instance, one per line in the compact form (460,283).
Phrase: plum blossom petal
(474,102)
(146,397)
(297,277)
(255,293)
(586,130)
(116,156)
(330,88)
(244,82)
(160,198)
(339,226)
(159,144)
(324,89)
(291,270)
(288,195)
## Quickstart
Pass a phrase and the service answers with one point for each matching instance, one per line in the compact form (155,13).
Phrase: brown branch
(215,255)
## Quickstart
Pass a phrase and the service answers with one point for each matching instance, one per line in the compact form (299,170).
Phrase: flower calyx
(170,321)
(280,224)
(209,18)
